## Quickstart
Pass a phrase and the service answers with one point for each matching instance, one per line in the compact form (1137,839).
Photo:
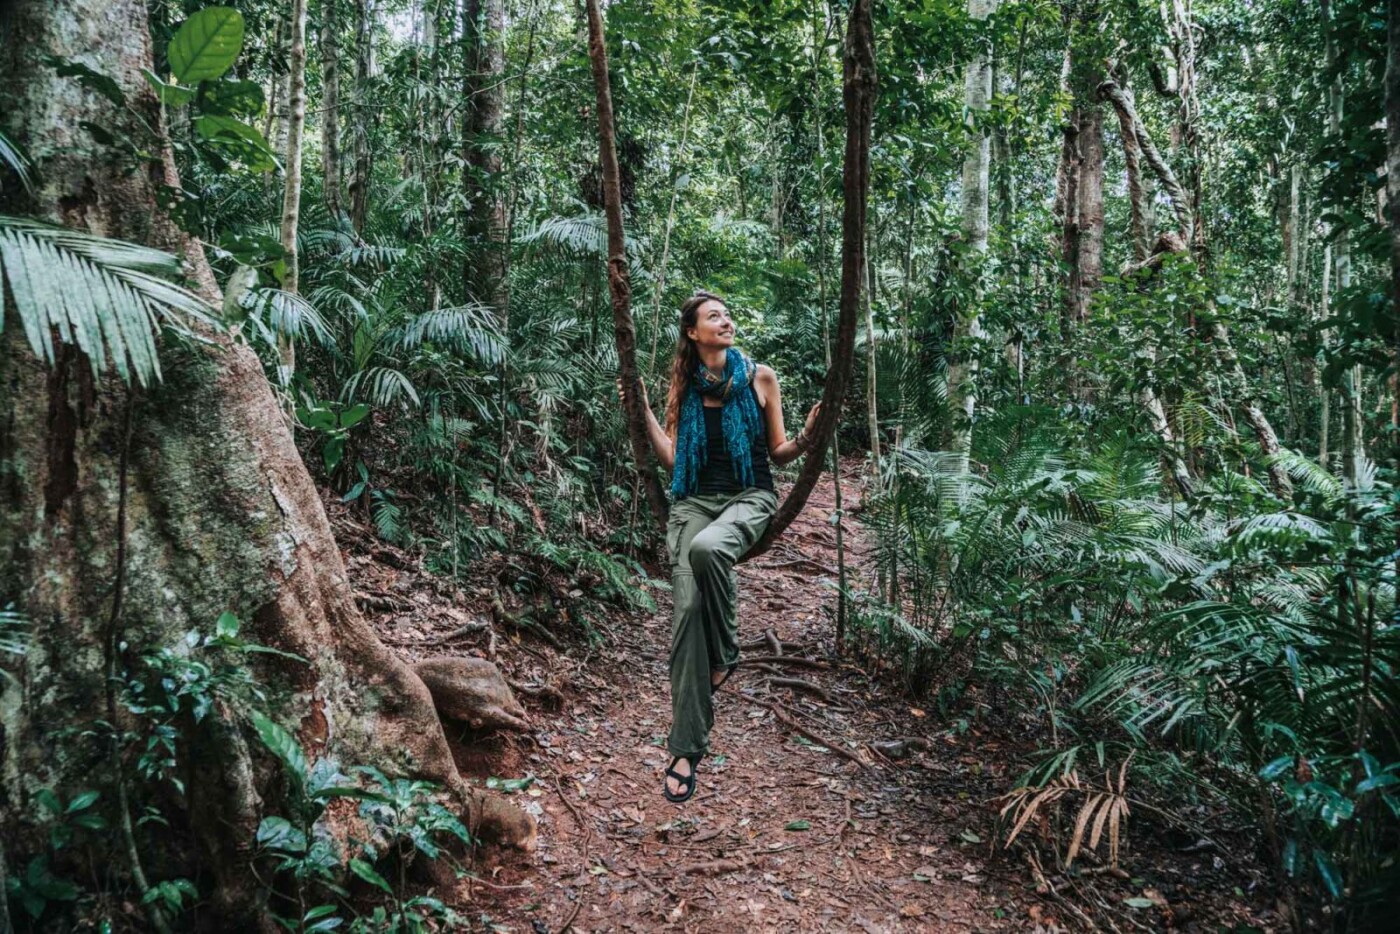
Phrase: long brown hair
(687,358)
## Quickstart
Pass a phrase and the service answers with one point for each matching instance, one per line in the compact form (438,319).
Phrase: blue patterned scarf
(739,418)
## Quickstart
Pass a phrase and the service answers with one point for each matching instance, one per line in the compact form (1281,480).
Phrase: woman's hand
(811,420)
(641,386)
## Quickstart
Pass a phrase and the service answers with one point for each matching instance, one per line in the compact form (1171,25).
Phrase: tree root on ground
(782,714)
(800,685)
(798,660)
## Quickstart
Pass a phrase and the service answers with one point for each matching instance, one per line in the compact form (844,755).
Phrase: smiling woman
(724,425)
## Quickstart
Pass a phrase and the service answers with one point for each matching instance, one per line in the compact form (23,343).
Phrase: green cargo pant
(706,535)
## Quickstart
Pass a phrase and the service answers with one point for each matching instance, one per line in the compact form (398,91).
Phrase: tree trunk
(1392,210)
(330,109)
(111,492)
(1138,205)
(361,115)
(858,94)
(1086,230)
(1324,391)
(291,194)
(1353,443)
(962,375)
(872,358)
(484,33)
(1254,414)
(619,280)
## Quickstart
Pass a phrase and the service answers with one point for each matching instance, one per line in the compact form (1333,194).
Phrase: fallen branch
(782,714)
(900,748)
(800,685)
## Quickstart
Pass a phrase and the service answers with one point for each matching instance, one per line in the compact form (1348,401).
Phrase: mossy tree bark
(217,511)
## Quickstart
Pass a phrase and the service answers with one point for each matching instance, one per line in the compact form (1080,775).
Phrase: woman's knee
(707,553)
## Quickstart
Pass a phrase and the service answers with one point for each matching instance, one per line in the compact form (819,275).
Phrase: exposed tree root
(782,714)
(797,660)
(800,685)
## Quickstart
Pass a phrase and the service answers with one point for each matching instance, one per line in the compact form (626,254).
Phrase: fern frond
(105,296)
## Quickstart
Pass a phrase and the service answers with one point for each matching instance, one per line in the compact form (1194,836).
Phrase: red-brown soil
(888,846)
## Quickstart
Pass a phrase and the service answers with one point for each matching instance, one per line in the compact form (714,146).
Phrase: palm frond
(106,296)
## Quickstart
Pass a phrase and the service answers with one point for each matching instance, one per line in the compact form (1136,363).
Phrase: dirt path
(786,832)
(781,834)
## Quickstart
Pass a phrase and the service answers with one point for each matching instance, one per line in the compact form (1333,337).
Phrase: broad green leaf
(283,745)
(1138,901)
(81,801)
(365,871)
(206,45)
(227,626)
(354,415)
(798,825)
(1331,876)
(245,142)
(277,833)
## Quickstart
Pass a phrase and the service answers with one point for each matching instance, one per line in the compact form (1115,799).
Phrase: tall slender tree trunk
(1353,442)
(1324,391)
(818,58)
(291,194)
(362,115)
(1085,230)
(872,359)
(167,513)
(1392,210)
(330,108)
(483,32)
(1254,414)
(962,376)
(619,279)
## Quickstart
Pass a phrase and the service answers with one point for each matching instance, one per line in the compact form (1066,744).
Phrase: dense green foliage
(1237,644)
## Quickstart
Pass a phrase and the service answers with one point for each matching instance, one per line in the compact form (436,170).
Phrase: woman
(724,426)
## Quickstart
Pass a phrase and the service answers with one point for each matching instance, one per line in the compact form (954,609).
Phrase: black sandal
(716,685)
(687,781)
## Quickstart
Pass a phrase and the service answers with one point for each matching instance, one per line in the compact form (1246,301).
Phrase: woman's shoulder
(765,374)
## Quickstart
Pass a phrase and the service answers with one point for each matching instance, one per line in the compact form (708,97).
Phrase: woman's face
(713,326)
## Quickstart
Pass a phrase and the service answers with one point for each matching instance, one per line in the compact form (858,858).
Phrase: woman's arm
(660,441)
(781,450)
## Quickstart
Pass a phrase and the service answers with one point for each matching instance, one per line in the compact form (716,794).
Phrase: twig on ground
(1049,890)
(782,714)
(587,832)
(459,632)
(572,915)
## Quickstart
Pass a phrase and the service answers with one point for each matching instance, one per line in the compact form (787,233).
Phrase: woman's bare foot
(681,767)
